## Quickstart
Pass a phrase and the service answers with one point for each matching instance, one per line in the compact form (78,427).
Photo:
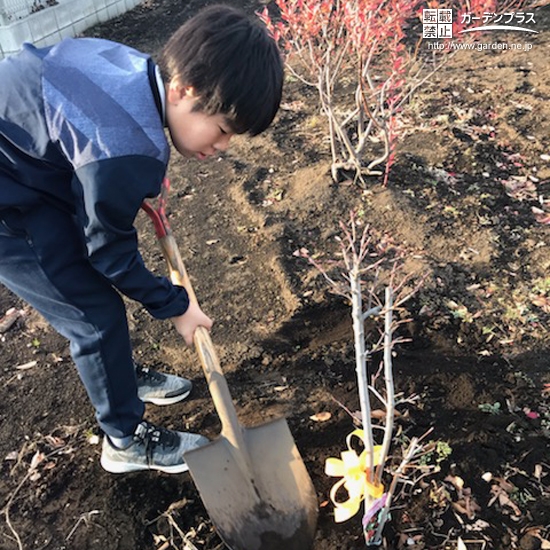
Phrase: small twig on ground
(84,518)
(13,495)
(8,506)
(172,524)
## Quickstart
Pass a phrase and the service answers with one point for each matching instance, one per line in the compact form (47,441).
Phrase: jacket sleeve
(109,194)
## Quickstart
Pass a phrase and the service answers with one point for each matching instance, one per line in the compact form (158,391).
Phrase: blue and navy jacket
(81,128)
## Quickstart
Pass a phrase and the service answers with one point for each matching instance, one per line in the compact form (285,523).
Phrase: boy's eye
(224,132)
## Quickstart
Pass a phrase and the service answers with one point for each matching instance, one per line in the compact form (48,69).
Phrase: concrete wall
(67,18)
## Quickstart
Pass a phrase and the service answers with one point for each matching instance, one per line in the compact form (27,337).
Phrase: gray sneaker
(161,389)
(153,448)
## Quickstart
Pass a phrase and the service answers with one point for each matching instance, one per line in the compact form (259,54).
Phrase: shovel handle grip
(205,348)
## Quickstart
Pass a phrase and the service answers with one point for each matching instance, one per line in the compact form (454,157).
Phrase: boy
(82,144)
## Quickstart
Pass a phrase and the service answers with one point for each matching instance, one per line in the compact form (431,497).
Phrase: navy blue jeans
(43,260)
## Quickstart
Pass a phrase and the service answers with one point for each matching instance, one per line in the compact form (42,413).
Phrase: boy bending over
(82,144)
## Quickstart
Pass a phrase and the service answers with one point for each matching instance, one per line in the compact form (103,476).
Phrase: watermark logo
(438,23)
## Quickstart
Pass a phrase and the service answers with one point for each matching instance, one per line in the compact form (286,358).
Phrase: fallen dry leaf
(35,476)
(506,501)
(93,440)
(543,302)
(292,106)
(55,442)
(520,188)
(321,416)
(379,414)
(500,493)
(9,318)
(457,481)
(478,525)
(26,366)
(37,459)
(541,216)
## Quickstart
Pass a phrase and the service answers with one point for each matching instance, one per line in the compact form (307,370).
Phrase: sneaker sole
(167,400)
(115,467)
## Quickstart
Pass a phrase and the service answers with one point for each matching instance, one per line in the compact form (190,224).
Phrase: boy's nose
(223,142)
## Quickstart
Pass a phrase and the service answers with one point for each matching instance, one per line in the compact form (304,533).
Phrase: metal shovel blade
(271,505)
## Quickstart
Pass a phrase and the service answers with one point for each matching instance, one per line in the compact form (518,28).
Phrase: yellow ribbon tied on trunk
(352,468)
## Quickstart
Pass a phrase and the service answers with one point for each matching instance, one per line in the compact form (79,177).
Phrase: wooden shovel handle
(205,348)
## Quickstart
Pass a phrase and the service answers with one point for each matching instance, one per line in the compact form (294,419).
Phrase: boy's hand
(187,323)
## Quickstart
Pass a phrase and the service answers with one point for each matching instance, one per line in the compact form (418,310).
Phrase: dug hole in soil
(477,356)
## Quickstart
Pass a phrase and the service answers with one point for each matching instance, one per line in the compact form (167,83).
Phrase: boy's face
(193,133)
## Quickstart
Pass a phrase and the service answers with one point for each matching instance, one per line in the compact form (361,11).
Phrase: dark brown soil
(478,356)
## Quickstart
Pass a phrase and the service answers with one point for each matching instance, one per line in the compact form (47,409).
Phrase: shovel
(252,481)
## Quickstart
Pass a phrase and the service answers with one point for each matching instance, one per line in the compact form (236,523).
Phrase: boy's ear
(177,91)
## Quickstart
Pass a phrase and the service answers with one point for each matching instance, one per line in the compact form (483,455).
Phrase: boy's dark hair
(233,64)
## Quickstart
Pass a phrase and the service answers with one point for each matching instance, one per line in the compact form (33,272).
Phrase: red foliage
(371,40)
